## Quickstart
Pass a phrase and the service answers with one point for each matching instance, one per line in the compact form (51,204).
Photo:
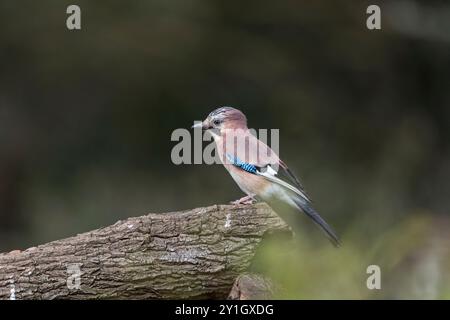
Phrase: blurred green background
(86,118)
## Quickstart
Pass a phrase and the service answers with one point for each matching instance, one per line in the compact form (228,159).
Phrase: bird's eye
(216,122)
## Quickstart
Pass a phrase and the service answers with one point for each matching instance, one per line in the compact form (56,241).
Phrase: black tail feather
(306,207)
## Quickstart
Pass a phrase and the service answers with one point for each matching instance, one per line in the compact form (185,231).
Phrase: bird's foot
(244,200)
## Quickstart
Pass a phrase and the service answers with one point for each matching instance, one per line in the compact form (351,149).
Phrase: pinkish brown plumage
(254,165)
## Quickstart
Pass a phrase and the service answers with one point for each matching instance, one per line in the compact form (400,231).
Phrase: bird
(255,167)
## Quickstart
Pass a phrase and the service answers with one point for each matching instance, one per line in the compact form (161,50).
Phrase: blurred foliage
(413,257)
(86,119)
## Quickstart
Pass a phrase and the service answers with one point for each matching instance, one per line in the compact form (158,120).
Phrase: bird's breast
(250,183)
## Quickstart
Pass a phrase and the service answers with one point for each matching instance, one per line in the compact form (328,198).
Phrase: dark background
(86,118)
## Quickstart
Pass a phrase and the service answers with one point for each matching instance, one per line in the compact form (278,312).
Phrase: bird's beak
(197,125)
(202,125)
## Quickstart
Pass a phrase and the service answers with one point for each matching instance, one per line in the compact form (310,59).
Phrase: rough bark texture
(252,287)
(189,254)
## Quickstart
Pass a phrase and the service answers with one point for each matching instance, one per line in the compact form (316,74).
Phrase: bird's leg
(245,200)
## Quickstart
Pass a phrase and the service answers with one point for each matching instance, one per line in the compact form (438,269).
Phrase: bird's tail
(305,206)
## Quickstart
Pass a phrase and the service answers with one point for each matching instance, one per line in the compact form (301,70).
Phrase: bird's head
(223,118)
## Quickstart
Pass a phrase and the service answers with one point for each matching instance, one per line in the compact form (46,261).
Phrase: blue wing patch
(244,166)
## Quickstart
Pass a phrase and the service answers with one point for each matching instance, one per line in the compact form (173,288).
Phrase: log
(250,286)
(191,254)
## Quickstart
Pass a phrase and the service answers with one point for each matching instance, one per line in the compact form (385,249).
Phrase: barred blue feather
(243,165)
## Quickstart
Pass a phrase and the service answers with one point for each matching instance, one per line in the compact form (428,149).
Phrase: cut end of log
(252,287)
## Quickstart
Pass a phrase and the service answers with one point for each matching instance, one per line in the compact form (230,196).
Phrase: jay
(255,167)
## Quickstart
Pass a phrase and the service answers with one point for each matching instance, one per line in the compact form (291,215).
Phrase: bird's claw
(244,200)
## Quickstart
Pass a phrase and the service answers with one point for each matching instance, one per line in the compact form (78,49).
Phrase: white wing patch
(271,171)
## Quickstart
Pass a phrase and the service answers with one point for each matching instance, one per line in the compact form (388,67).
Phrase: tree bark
(251,286)
(180,255)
